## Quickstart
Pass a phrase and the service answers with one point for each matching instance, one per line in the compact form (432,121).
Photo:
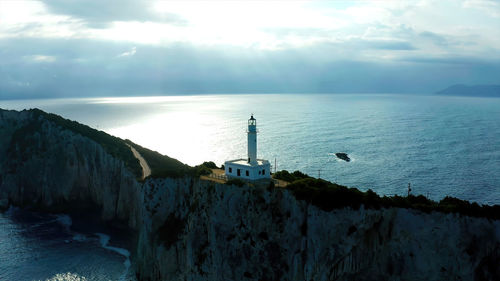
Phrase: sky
(69,48)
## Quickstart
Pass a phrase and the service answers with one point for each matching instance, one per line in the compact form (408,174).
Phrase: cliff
(188,229)
(46,166)
(206,231)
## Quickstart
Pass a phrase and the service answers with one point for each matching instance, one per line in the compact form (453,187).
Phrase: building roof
(244,162)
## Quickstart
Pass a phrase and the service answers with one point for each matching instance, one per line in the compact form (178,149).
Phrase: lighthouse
(250,168)
(252,140)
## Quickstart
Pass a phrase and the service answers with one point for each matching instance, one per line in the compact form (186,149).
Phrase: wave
(67,222)
(64,220)
(104,240)
(68,276)
(79,237)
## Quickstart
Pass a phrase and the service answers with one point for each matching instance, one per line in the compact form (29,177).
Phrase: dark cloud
(327,34)
(387,45)
(360,44)
(94,68)
(99,13)
(437,39)
(450,60)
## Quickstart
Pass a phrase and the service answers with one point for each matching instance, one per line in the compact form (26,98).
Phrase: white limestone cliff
(241,233)
(56,168)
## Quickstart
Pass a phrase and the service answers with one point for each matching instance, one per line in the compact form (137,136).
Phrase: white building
(250,168)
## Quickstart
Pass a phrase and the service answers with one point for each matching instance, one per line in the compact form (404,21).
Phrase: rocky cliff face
(206,231)
(46,166)
(189,229)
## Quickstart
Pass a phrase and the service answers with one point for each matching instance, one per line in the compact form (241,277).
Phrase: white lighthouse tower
(250,168)
(252,140)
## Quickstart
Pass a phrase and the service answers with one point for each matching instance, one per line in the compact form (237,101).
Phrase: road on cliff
(146,171)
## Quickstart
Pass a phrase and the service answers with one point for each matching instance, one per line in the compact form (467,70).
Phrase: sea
(440,145)
(36,246)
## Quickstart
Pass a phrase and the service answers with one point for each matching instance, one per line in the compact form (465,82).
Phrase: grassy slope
(161,165)
(113,145)
(329,196)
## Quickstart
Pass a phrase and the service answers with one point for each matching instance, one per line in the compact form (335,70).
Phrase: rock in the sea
(343,156)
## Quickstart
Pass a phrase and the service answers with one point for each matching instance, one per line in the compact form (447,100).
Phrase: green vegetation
(290,177)
(23,139)
(162,166)
(328,196)
(113,145)
(201,170)
(204,169)
(210,165)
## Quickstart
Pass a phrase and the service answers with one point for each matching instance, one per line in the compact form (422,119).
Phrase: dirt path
(216,176)
(146,171)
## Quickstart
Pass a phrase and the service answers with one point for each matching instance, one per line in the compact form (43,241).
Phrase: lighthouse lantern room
(250,168)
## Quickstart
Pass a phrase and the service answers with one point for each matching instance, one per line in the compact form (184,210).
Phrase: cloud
(90,68)
(491,7)
(100,14)
(306,32)
(69,47)
(387,45)
(41,58)
(435,38)
(449,60)
(129,53)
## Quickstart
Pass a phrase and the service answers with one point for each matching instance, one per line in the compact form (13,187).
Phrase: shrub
(202,170)
(210,165)
(112,145)
(163,166)
(328,196)
(286,176)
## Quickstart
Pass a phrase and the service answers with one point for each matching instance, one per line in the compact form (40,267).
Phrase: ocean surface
(36,246)
(442,145)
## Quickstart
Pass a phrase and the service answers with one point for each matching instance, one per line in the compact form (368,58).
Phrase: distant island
(471,91)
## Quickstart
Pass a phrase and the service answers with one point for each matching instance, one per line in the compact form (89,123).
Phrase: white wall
(253,171)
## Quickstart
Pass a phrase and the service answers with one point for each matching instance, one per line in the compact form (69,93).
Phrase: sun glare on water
(181,134)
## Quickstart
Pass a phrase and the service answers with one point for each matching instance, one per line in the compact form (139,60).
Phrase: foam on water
(104,240)
(65,221)
(37,246)
(68,276)
(79,237)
